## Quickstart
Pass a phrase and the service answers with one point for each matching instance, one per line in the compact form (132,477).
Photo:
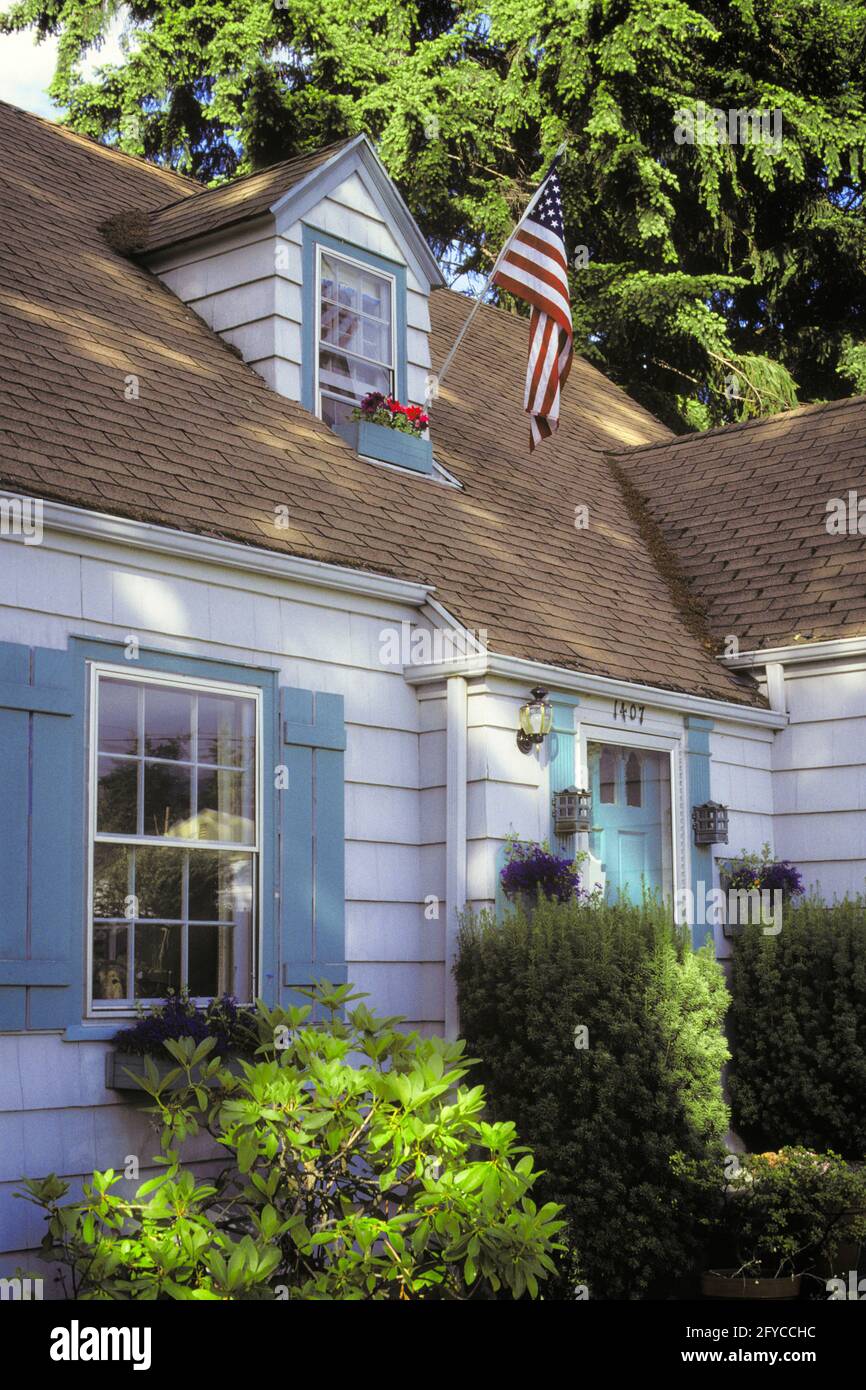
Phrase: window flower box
(388,445)
(125,1071)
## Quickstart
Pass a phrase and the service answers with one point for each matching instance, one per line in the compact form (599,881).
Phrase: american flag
(534,267)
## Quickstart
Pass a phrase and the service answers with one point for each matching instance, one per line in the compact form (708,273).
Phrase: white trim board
(560,678)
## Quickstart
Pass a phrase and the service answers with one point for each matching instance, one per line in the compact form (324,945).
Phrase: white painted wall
(819,776)
(247,285)
(741,778)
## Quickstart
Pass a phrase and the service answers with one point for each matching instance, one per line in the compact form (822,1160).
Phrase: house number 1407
(628,713)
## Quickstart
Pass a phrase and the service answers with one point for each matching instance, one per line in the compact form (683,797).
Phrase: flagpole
(435,378)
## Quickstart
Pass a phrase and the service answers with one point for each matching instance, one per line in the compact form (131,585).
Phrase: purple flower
(178,1017)
(778,876)
(531,867)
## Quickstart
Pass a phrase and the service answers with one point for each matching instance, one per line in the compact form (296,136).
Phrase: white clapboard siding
(819,777)
(741,779)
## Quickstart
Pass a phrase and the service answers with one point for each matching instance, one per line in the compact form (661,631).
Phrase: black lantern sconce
(710,823)
(536,720)
(572,811)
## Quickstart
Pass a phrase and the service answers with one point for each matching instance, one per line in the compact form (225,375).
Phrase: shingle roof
(215,209)
(207,447)
(744,510)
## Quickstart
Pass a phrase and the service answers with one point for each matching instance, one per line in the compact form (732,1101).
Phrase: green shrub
(798,1030)
(604,1120)
(778,1214)
(359,1168)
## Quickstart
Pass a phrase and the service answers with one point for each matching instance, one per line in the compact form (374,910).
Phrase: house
(259,692)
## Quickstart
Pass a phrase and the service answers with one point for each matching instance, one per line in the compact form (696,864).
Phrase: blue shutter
(40,886)
(562,767)
(312,840)
(698,732)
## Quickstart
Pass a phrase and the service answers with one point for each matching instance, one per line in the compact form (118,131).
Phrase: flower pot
(726,1283)
(387,445)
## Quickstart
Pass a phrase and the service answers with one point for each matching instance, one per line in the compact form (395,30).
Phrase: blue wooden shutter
(698,732)
(562,768)
(312,840)
(40,898)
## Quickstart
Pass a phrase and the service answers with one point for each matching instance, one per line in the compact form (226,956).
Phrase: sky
(26,68)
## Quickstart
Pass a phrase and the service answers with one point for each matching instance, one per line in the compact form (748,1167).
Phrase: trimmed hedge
(798,1030)
(603,1121)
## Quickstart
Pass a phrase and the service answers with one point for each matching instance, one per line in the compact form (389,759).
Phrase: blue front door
(631,824)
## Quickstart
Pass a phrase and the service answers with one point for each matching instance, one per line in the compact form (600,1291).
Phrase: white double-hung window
(174,838)
(355,336)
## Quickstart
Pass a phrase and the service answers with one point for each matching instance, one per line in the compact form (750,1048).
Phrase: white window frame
(103,1009)
(317,339)
(671,743)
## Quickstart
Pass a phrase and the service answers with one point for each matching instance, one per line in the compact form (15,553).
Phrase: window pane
(110,945)
(157,961)
(374,340)
(376,297)
(117,796)
(632,780)
(607,777)
(159,883)
(220,886)
(167,722)
(211,969)
(225,807)
(350,376)
(112,880)
(226,730)
(118,717)
(167,804)
(336,412)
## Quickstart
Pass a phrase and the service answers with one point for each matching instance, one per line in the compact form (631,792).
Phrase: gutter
(796,652)
(564,679)
(145,535)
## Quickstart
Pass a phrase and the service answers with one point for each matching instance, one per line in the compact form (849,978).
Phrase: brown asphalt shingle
(207,447)
(215,209)
(744,510)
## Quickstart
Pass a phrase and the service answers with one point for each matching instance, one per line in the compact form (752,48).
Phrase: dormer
(316,272)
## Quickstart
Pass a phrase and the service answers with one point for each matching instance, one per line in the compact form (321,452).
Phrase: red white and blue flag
(533,267)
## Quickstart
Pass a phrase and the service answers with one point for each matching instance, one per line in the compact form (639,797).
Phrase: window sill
(411,451)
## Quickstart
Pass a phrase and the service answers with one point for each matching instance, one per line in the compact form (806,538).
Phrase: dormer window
(356,337)
(315,271)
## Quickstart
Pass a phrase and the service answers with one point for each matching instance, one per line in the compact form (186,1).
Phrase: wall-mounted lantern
(710,823)
(572,811)
(536,720)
